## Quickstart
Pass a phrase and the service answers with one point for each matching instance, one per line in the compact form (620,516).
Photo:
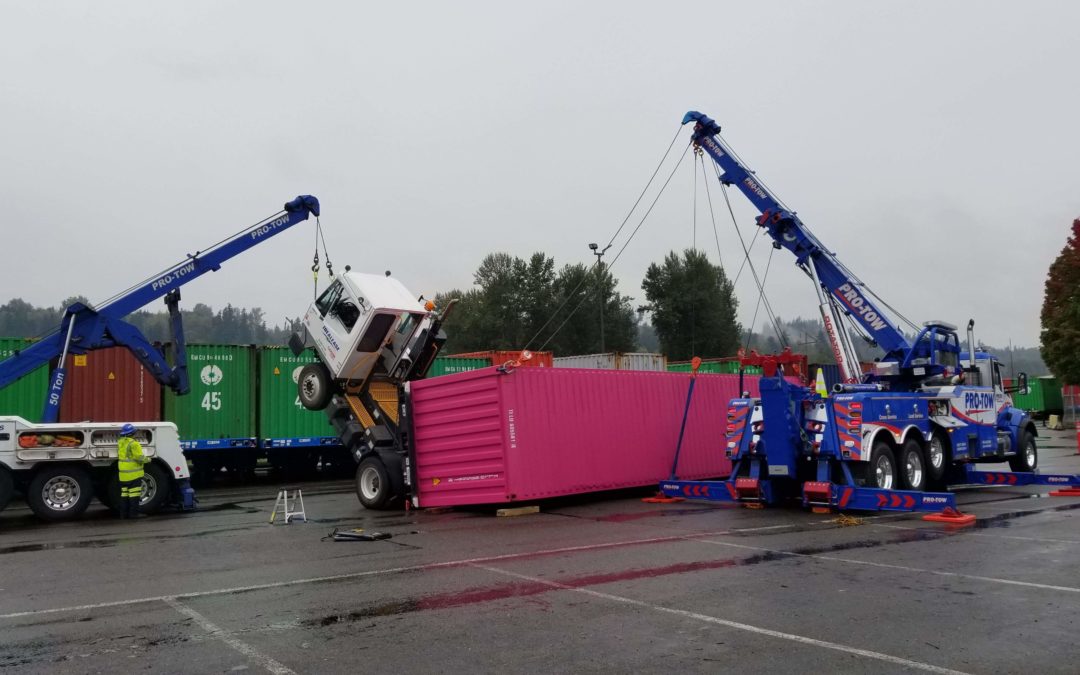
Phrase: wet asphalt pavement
(599,584)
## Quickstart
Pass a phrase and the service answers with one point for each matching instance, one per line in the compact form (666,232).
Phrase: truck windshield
(329,298)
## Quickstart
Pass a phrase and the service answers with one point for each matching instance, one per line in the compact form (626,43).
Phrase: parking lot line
(369,573)
(968,533)
(903,568)
(215,631)
(802,639)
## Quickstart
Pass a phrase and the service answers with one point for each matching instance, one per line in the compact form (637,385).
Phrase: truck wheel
(374,485)
(60,492)
(881,470)
(912,472)
(315,386)
(7,487)
(937,457)
(1027,455)
(156,488)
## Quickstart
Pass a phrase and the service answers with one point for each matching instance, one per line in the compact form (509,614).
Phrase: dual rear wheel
(915,465)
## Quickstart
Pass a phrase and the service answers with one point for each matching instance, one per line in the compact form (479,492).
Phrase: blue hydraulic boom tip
(708,124)
(304,202)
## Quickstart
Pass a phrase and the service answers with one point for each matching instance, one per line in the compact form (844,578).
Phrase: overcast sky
(932,145)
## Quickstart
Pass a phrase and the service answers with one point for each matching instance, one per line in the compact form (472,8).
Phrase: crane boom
(840,293)
(84,328)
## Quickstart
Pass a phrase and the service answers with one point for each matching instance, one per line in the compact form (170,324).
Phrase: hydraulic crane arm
(85,328)
(840,293)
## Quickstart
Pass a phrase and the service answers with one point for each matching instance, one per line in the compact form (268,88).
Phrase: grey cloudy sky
(932,145)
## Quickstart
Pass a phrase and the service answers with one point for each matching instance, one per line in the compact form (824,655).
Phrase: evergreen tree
(693,306)
(1060,338)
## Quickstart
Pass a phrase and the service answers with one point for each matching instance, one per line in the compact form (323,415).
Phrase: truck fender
(869,439)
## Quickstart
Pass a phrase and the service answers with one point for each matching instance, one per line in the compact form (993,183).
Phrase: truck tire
(937,458)
(1027,455)
(375,487)
(881,469)
(157,487)
(155,493)
(315,386)
(912,466)
(60,492)
(7,487)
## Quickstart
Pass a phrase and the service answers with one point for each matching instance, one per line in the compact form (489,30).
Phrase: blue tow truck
(895,438)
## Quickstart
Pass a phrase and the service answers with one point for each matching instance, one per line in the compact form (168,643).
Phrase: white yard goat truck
(371,336)
(60,468)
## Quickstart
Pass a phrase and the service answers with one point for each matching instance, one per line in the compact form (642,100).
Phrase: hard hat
(127,430)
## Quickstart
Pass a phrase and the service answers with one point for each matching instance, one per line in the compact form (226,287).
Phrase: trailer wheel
(937,457)
(7,487)
(315,386)
(1027,455)
(60,492)
(913,473)
(881,470)
(376,487)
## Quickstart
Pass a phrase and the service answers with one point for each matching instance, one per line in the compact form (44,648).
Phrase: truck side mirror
(1022,384)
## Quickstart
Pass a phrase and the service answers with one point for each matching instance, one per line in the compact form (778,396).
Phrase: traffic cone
(819,385)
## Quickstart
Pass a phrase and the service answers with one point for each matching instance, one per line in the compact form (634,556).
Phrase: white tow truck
(60,468)
(371,336)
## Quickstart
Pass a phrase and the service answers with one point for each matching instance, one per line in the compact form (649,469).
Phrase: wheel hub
(60,493)
(883,473)
(937,454)
(369,483)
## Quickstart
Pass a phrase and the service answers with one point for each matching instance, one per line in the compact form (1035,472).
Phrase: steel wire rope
(757,307)
(617,255)
(859,282)
(753,271)
(712,214)
(610,242)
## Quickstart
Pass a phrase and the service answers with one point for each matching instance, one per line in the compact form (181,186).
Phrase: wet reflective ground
(598,584)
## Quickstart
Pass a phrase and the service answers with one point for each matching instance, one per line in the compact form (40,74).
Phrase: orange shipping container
(109,385)
(538,360)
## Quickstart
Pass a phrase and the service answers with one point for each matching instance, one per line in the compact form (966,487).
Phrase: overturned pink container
(485,437)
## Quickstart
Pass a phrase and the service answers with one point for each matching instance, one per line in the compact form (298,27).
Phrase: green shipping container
(447,365)
(221,404)
(721,367)
(282,418)
(1044,397)
(26,396)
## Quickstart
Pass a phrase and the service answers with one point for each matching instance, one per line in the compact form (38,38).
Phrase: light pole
(599,253)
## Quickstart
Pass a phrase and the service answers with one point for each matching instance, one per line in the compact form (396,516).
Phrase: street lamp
(599,253)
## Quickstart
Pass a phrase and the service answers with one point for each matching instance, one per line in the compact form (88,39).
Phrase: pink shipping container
(484,437)
(109,385)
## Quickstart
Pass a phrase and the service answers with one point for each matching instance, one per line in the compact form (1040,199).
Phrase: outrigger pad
(661,499)
(951,516)
(1066,492)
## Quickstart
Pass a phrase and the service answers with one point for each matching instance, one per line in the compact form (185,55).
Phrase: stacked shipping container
(109,385)
(614,361)
(26,397)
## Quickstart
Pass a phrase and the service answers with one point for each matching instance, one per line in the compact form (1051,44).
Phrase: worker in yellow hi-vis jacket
(130,465)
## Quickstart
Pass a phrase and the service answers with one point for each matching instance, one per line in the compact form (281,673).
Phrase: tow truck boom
(84,328)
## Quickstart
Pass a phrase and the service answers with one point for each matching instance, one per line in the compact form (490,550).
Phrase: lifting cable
(762,298)
(610,242)
(859,282)
(617,255)
(326,254)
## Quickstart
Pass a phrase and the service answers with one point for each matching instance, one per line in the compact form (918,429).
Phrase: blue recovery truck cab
(919,421)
